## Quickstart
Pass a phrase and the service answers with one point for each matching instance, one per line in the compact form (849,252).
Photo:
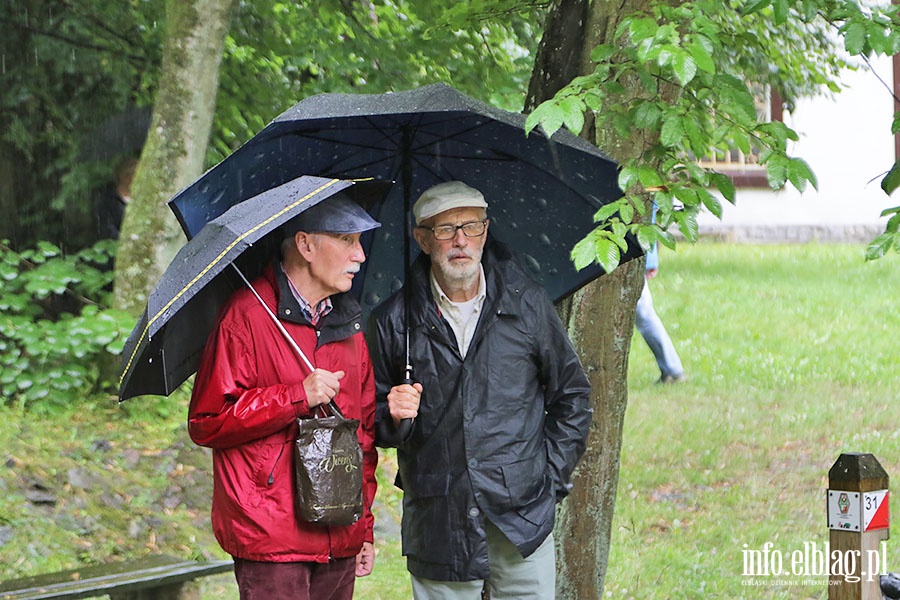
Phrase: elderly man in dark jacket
(499,407)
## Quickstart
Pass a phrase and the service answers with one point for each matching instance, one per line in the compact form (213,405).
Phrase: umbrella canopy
(542,192)
(164,348)
(123,133)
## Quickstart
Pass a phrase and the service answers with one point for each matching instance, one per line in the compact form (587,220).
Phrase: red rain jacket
(246,397)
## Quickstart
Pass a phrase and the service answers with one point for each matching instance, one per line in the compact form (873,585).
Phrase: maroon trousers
(295,581)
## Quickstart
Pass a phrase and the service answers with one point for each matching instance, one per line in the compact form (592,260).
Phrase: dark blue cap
(337,214)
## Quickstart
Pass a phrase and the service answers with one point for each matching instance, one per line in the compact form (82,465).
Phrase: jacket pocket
(272,471)
(525,481)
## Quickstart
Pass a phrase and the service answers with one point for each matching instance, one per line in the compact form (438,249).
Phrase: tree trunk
(173,155)
(600,321)
(599,317)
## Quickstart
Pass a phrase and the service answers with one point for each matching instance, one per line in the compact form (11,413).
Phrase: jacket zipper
(275,464)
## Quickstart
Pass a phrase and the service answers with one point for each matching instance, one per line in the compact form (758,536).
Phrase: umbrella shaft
(278,323)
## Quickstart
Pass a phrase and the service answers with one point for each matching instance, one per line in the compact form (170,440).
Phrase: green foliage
(54,327)
(278,53)
(889,239)
(67,67)
(70,67)
(679,83)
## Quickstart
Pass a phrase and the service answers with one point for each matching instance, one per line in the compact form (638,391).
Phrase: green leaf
(799,173)
(606,211)
(753,6)
(648,80)
(854,37)
(667,239)
(594,100)
(776,171)
(672,131)
(684,66)
(878,38)
(891,211)
(647,115)
(642,29)
(782,9)
(702,55)
(779,131)
(608,254)
(583,253)
(664,55)
(602,53)
(648,234)
(48,250)
(895,124)
(891,181)
(649,177)
(736,99)
(628,176)
(548,115)
(724,184)
(687,195)
(687,224)
(711,203)
(598,247)
(573,114)
(880,245)
(697,137)
(626,212)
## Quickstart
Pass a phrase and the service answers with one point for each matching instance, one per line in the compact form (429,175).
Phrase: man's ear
(422,239)
(305,245)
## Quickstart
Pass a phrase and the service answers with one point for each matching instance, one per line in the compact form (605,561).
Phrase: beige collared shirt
(462,316)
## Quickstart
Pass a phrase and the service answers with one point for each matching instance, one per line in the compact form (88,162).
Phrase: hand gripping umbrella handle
(405,426)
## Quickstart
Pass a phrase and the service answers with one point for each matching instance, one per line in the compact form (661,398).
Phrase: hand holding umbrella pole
(405,426)
(279,325)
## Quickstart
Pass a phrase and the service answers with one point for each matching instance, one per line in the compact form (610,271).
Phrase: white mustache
(352,270)
(459,254)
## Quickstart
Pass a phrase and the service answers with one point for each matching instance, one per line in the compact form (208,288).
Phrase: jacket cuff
(299,403)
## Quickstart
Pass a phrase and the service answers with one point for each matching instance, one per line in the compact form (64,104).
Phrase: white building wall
(848,143)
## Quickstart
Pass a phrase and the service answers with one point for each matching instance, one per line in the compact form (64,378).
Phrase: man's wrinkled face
(336,260)
(455,260)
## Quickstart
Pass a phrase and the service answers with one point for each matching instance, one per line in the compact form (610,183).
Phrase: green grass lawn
(791,356)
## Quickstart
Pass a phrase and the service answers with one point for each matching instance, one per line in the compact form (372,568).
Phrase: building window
(744,169)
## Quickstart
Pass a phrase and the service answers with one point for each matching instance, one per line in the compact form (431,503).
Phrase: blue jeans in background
(654,333)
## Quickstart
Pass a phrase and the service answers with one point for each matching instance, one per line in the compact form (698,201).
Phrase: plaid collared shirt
(312,313)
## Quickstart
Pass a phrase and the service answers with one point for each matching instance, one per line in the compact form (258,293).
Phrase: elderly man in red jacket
(250,389)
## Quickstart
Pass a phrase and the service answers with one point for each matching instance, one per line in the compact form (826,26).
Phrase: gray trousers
(512,577)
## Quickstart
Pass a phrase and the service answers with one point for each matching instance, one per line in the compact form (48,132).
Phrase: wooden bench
(158,577)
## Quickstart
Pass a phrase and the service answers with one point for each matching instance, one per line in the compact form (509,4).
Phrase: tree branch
(84,45)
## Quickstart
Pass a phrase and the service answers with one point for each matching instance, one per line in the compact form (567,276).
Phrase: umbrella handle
(405,426)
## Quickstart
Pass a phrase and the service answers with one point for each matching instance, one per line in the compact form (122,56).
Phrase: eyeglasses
(448,232)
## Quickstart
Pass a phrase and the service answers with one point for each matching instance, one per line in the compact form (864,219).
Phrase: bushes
(56,325)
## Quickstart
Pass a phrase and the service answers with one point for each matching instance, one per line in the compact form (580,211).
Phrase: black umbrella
(123,133)
(542,192)
(164,348)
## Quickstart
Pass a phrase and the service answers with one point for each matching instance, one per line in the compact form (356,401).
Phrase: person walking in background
(652,329)
(251,388)
(500,408)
